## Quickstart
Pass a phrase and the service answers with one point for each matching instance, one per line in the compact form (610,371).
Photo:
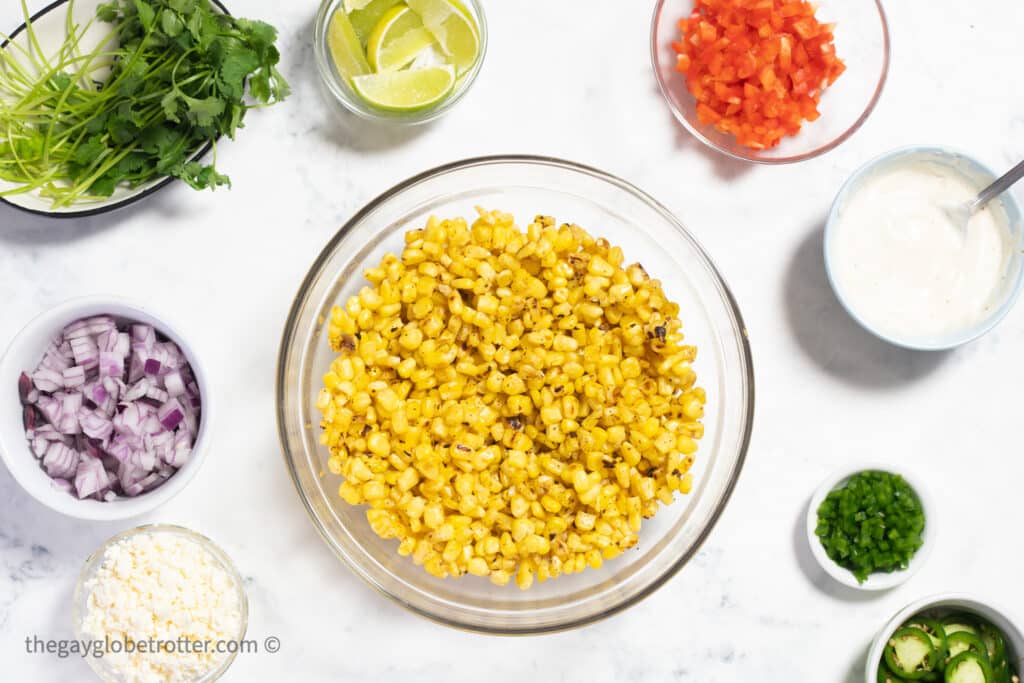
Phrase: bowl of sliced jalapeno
(949,638)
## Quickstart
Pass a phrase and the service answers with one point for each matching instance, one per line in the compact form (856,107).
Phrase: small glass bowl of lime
(401,61)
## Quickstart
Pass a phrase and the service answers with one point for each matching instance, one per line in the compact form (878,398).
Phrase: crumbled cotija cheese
(162,586)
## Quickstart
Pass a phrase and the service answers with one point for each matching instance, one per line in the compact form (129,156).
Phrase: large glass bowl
(862,42)
(606,207)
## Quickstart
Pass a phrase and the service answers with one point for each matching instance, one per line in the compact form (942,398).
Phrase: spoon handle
(998,187)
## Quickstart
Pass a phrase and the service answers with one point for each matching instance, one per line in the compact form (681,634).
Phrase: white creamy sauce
(905,268)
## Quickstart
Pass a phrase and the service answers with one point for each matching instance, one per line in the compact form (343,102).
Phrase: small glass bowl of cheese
(194,634)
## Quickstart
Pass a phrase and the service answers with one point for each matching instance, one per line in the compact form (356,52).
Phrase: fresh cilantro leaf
(109,11)
(171,23)
(105,185)
(133,78)
(169,103)
(260,35)
(121,130)
(97,124)
(204,112)
(147,15)
(239,62)
(259,85)
(184,7)
(60,81)
(89,150)
(201,177)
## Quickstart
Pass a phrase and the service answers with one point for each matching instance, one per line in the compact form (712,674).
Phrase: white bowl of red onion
(104,409)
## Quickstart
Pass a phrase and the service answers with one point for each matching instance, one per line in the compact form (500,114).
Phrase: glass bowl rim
(350,101)
(219,554)
(728,299)
(697,133)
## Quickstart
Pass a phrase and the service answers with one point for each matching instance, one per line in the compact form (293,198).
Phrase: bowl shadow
(856,671)
(832,339)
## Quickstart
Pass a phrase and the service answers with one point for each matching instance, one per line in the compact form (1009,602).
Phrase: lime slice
(354,5)
(346,49)
(398,38)
(453,28)
(407,90)
(366,19)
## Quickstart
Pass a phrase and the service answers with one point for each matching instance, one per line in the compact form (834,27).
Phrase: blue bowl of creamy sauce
(899,265)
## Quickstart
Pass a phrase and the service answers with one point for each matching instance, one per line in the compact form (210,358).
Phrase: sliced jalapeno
(910,654)
(963,641)
(936,631)
(969,667)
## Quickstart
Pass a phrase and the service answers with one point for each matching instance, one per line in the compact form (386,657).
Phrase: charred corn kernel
(509,403)
(374,490)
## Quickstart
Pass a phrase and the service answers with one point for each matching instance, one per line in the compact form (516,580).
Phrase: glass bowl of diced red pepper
(770,81)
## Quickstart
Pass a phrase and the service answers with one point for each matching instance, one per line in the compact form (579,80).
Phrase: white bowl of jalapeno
(948,638)
(871,526)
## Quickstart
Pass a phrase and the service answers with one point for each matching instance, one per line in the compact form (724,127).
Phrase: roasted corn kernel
(509,404)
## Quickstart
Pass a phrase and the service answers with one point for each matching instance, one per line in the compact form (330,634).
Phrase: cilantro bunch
(173,76)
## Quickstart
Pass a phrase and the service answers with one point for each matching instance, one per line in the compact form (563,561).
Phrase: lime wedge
(396,41)
(346,49)
(407,90)
(353,5)
(364,20)
(454,29)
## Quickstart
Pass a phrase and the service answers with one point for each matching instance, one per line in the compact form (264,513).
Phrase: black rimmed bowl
(50,26)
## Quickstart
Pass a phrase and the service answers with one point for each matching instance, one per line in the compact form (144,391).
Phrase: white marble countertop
(571,79)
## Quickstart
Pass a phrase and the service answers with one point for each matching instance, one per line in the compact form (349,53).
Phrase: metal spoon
(961,214)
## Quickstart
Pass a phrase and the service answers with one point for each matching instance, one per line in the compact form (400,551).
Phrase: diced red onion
(181,450)
(85,351)
(60,461)
(50,408)
(143,335)
(39,446)
(107,341)
(74,377)
(91,477)
(111,364)
(95,424)
(174,384)
(115,389)
(171,414)
(110,410)
(129,419)
(157,394)
(46,379)
(57,357)
(77,329)
(29,418)
(25,387)
(48,432)
(123,347)
(137,390)
(152,425)
(151,481)
(137,364)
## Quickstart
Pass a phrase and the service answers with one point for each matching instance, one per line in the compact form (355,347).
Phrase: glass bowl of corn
(609,209)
